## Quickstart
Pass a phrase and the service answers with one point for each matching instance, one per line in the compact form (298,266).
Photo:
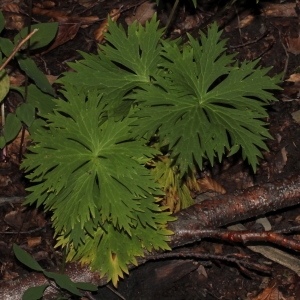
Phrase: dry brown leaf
(8,274)
(87,3)
(5,2)
(294,45)
(282,10)
(51,78)
(190,22)
(244,22)
(218,248)
(34,241)
(269,293)
(66,32)
(22,219)
(143,13)
(100,31)
(201,271)
(55,14)
(64,17)
(15,218)
(208,184)
(296,116)
(14,21)
(40,255)
(5,180)
(11,7)
(294,78)
(16,79)
(38,219)
(45,4)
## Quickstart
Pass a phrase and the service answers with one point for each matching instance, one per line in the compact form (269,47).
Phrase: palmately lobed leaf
(128,60)
(90,173)
(204,105)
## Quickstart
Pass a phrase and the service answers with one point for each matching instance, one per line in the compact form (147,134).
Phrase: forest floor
(268,31)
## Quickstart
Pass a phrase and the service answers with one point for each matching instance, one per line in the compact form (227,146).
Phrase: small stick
(17,48)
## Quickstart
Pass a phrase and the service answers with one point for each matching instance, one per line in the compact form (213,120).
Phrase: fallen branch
(193,224)
(231,208)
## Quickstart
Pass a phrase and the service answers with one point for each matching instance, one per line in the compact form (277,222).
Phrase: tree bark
(188,228)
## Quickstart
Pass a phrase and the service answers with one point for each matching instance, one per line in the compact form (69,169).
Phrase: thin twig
(234,258)
(115,292)
(250,42)
(23,232)
(17,48)
(171,17)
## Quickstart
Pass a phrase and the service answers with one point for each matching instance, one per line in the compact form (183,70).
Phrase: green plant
(63,282)
(88,164)
(36,96)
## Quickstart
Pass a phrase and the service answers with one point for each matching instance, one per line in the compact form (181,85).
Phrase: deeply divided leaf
(88,166)
(202,105)
(87,163)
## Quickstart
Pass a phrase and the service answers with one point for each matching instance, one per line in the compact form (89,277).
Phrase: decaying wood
(190,227)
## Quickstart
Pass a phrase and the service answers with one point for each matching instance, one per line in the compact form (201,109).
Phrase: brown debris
(14,21)
(283,10)
(209,184)
(142,14)
(64,17)
(271,292)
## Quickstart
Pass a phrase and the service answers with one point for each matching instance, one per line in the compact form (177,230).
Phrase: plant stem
(171,17)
